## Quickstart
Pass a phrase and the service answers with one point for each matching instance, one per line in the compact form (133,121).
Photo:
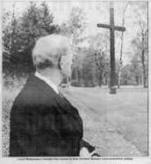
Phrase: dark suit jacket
(43,123)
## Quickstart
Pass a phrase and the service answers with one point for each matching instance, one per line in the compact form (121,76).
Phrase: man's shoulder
(35,92)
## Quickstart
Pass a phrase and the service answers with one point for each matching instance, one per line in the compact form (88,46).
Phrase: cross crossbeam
(117,28)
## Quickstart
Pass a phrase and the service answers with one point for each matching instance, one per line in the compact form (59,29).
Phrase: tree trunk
(121,50)
(137,80)
(144,71)
(75,74)
(119,77)
(100,80)
(68,81)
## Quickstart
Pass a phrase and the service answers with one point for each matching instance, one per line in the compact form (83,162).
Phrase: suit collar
(48,81)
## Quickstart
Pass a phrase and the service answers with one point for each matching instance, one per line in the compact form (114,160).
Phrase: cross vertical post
(112,29)
(112,52)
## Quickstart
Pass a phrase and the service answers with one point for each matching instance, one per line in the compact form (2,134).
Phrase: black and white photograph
(75,79)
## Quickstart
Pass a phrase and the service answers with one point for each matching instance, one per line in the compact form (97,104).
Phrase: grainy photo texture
(75,79)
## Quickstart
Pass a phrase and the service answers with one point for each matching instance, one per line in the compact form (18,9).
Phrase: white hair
(49,50)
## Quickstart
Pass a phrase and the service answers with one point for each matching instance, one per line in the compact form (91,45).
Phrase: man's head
(53,52)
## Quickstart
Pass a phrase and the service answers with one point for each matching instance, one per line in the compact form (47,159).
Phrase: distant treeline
(91,65)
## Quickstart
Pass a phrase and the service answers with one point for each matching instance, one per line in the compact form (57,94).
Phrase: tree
(126,74)
(8,35)
(100,50)
(35,22)
(140,42)
(136,69)
(121,48)
(74,28)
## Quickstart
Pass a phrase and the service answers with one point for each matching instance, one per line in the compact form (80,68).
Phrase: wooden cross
(112,29)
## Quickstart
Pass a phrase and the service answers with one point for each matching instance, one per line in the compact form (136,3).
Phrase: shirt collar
(49,82)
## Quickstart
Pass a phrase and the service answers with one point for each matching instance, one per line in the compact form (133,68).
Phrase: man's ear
(59,62)
(59,66)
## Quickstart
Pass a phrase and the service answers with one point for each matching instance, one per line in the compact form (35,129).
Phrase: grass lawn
(115,124)
(124,114)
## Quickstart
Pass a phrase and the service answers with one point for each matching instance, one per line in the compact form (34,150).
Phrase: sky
(96,12)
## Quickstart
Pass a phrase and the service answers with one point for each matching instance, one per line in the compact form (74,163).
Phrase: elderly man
(42,122)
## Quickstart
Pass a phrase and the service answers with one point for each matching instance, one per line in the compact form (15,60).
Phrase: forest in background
(91,64)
